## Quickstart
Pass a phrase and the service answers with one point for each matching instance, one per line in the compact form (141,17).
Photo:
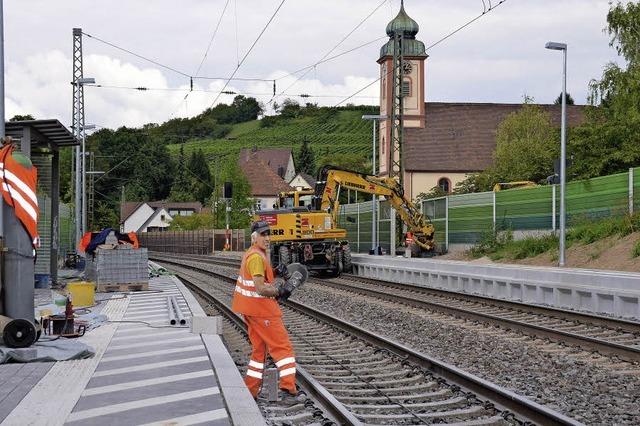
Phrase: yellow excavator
(304,223)
(332,179)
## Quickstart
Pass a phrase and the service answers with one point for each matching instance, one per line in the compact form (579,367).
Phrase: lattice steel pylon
(78,89)
(396,169)
(77,120)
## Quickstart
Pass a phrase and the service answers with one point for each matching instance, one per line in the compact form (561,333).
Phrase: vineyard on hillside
(343,132)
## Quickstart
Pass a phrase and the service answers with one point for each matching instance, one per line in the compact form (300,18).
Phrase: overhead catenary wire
(394,68)
(330,51)
(248,51)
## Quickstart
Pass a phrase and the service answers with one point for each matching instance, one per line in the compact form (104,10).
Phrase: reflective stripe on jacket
(19,179)
(246,300)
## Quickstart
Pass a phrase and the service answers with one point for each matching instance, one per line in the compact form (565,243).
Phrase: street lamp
(563,145)
(374,237)
(80,224)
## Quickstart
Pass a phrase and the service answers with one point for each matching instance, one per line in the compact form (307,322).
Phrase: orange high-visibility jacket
(246,300)
(19,190)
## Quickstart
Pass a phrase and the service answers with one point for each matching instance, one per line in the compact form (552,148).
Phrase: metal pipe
(181,318)
(172,315)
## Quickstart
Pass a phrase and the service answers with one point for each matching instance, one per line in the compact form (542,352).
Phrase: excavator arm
(332,179)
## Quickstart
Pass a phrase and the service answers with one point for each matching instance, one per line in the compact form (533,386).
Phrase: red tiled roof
(461,137)
(275,158)
(263,180)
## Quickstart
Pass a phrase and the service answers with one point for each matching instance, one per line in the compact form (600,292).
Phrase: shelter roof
(461,137)
(43,132)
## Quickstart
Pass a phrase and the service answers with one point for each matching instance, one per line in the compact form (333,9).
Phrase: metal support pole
(446,222)
(374,239)
(227,247)
(563,159)
(494,212)
(55,212)
(554,213)
(392,231)
(630,190)
(77,200)
(84,182)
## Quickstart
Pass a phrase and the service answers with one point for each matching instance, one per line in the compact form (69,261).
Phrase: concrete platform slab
(144,372)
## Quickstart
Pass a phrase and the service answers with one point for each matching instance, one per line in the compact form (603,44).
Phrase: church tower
(412,89)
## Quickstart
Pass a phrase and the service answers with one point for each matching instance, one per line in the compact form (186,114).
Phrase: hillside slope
(614,253)
(328,132)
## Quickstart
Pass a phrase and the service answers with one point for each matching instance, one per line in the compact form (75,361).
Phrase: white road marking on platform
(144,316)
(152,366)
(152,353)
(141,329)
(162,296)
(131,405)
(118,338)
(194,419)
(66,380)
(148,382)
(192,337)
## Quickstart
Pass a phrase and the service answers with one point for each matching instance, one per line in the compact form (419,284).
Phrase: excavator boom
(332,179)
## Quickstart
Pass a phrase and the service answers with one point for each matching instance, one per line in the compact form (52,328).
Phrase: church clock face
(407,67)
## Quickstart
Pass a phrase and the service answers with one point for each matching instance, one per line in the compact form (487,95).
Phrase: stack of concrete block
(118,267)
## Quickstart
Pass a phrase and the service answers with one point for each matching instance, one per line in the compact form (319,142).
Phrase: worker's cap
(260,227)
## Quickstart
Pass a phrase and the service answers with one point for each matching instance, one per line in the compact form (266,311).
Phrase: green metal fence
(462,219)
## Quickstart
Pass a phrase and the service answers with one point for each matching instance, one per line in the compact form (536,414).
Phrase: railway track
(376,380)
(605,335)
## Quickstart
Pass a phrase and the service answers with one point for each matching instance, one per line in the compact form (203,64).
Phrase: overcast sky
(499,58)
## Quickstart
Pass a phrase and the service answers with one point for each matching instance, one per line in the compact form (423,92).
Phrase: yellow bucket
(82,293)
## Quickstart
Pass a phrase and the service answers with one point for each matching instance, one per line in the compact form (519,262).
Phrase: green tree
(242,203)
(608,141)
(193,222)
(182,188)
(357,162)
(198,170)
(558,100)
(526,144)
(306,160)
(24,117)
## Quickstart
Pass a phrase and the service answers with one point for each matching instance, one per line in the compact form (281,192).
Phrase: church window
(406,87)
(444,184)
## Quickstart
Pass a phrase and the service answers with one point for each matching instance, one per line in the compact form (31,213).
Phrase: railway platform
(144,371)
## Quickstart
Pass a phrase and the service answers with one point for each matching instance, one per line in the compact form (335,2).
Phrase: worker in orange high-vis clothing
(255,298)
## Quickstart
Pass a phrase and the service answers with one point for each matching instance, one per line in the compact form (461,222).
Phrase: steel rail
(502,398)
(328,402)
(585,342)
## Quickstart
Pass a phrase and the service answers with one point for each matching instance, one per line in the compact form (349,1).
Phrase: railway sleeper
(424,396)
(320,358)
(330,364)
(342,371)
(446,404)
(382,374)
(434,417)
(378,384)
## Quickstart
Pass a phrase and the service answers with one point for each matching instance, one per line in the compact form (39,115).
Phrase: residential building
(140,216)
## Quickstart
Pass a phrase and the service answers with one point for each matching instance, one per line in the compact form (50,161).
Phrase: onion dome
(403,23)
(406,26)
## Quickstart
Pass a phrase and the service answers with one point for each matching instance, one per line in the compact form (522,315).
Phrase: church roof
(461,137)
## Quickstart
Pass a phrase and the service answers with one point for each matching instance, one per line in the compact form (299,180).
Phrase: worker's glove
(281,271)
(297,275)
(284,288)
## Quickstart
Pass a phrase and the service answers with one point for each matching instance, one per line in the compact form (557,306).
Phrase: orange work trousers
(268,335)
